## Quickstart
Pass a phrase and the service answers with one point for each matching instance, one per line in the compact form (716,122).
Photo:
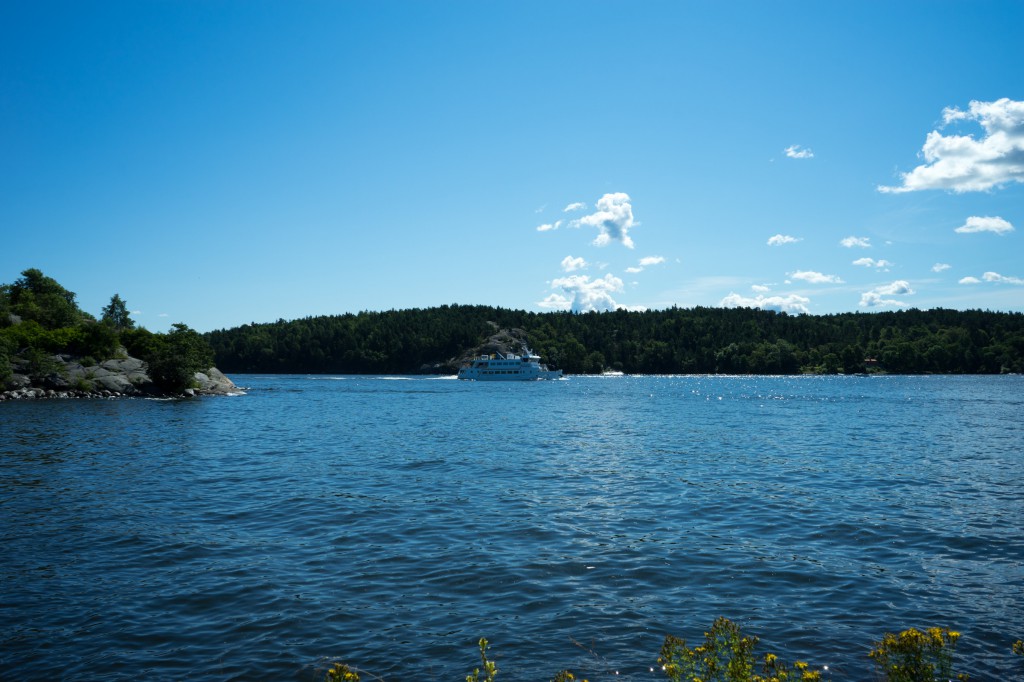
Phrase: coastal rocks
(18,381)
(213,382)
(504,341)
(67,377)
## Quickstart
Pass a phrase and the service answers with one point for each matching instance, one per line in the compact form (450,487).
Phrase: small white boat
(498,367)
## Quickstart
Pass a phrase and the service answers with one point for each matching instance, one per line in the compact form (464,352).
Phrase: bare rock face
(18,381)
(504,341)
(213,382)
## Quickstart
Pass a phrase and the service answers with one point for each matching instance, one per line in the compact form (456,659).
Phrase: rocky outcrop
(213,382)
(119,377)
(503,341)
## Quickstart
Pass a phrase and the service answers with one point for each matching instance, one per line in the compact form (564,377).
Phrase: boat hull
(543,376)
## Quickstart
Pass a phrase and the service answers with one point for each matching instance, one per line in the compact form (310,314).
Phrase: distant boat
(498,367)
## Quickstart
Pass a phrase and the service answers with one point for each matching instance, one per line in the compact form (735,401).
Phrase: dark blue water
(391,523)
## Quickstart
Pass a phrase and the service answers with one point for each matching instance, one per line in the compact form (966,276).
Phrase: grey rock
(120,376)
(503,341)
(114,382)
(124,365)
(55,381)
(214,382)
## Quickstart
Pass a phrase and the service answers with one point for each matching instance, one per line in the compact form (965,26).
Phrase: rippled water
(391,523)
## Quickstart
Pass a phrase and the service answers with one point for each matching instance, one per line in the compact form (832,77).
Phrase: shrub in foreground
(727,655)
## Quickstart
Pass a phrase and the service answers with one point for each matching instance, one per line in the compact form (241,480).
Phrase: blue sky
(219,163)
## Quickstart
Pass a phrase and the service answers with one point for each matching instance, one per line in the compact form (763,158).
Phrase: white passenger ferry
(498,367)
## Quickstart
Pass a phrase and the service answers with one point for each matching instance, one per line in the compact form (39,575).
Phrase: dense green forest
(684,341)
(39,319)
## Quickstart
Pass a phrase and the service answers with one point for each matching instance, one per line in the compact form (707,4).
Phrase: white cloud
(780,239)
(850,242)
(788,304)
(881,263)
(574,206)
(570,264)
(644,262)
(555,302)
(549,226)
(961,163)
(1002,279)
(985,224)
(875,297)
(760,288)
(970,280)
(939,267)
(795,152)
(897,288)
(815,277)
(581,294)
(613,219)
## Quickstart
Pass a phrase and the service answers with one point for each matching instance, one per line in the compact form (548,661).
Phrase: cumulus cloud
(792,303)
(850,242)
(581,294)
(549,226)
(555,302)
(760,288)
(876,297)
(815,277)
(985,224)
(995,278)
(939,267)
(645,262)
(780,239)
(1001,279)
(881,263)
(962,163)
(613,220)
(795,152)
(569,264)
(574,206)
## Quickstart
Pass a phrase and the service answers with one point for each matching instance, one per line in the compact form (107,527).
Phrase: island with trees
(698,340)
(50,348)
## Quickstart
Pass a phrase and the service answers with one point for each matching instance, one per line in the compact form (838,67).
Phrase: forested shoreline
(672,341)
(39,317)
(50,347)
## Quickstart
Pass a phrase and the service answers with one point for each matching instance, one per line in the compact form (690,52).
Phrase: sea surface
(392,522)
